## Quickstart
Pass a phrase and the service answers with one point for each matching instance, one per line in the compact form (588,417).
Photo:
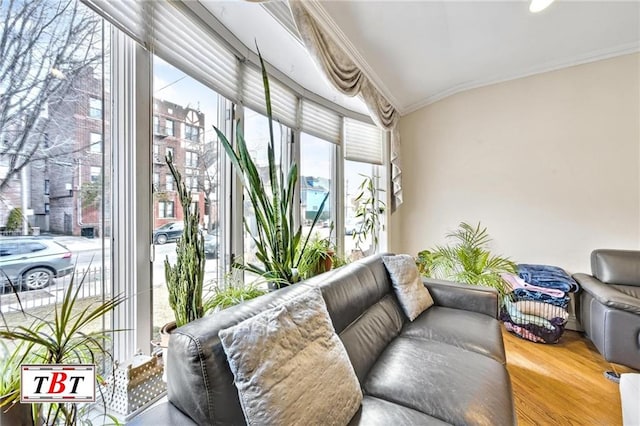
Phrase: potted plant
(368,211)
(279,243)
(233,291)
(467,260)
(185,279)
(317,258)
(11,411)
(68,337)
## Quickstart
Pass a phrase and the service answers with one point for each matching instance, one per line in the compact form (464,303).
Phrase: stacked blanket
(536,306)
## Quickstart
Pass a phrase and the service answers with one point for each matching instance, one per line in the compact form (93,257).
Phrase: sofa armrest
(608,295)
(449,294)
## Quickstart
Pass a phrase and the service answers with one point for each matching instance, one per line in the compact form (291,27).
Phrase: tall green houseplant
(279,243)
(466,260)
(185,279)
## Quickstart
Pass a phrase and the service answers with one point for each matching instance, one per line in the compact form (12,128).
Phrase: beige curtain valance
(347,77)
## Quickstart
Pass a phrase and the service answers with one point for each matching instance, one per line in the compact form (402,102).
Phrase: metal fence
(92,281)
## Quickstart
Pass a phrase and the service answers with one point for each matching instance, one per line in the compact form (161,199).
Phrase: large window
(53,86)
(357,243)
(317,173)
(195,156)
(256,133)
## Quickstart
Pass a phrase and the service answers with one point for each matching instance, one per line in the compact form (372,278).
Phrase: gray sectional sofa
(445,367)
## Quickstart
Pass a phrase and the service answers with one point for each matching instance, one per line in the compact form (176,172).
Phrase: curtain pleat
(350,80)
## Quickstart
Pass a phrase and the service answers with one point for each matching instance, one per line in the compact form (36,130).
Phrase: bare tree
(45,45)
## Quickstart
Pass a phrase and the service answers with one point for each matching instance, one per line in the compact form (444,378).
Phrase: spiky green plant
(279,244)
(185,279)
(468,260)
(314,259)
(68,338)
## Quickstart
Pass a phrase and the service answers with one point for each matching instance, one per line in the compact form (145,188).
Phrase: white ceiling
(417,52)
(252,24)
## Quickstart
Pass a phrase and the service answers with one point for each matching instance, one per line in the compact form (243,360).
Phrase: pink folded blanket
(514,282)
(543,310)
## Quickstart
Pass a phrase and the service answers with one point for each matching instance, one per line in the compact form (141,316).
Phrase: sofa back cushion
(359,300)
(616,266)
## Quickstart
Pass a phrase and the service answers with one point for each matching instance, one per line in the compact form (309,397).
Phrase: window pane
(180,102)
(256,132)
(95,107)
(48,184)
(356,243)
(316,176)
(95,142)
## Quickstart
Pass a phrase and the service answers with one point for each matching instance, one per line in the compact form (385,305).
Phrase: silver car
(32,262)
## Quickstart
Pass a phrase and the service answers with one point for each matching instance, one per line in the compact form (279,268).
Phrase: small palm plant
(467,260)
(279,243)
(70,337)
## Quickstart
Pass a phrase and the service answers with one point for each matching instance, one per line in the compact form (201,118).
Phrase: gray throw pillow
(290,367)
(407,284)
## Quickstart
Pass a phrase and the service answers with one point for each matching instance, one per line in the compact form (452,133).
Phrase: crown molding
(594,56)
(319,13)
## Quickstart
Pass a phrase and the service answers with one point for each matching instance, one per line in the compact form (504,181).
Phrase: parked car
(211,246)
(33,262)
(168,232)
(353,226)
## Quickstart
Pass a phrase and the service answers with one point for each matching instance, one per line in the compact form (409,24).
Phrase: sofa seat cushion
(464,329)
(444,381)
(378,412)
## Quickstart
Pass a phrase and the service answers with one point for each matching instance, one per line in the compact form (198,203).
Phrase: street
(88,253)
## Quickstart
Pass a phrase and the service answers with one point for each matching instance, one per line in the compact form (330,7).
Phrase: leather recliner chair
(609,305)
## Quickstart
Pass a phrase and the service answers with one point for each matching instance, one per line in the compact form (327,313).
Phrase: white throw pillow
(407,284)
(290,367)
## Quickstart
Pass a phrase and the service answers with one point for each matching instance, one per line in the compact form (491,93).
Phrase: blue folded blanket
(536,296)
(548,277)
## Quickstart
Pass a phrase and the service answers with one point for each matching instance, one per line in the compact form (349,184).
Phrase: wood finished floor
(562,384)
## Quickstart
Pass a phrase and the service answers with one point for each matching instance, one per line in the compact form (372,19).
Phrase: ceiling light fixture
(539,5)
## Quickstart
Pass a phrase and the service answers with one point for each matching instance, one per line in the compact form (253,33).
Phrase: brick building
(180,131)
(68,187)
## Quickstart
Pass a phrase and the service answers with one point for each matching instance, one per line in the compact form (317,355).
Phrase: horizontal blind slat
(363,142)
(283,100)
(321,122)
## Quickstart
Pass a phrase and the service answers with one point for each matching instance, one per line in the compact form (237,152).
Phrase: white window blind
(363,142)
(321,122)
(127,15)
(283,100)
(173,33)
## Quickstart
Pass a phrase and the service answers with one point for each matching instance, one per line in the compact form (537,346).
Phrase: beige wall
(549,163)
